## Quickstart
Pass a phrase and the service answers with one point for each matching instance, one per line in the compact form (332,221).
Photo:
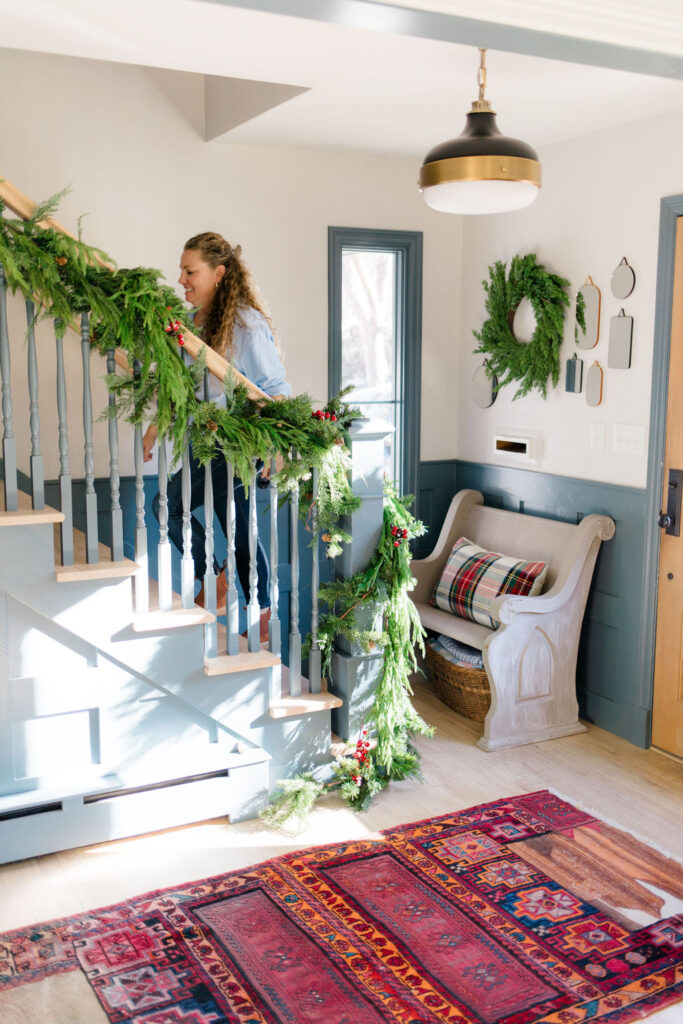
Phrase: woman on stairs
(230,319)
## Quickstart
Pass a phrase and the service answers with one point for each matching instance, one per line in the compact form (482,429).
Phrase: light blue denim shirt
(254,354)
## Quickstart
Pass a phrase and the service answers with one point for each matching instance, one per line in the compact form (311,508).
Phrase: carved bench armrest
(590,532)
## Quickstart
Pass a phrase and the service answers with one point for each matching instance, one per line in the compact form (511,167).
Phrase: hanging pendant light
(481,171)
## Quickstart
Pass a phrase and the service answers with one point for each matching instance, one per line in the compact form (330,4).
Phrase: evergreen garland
(510,360)
(132,310)
(381,591)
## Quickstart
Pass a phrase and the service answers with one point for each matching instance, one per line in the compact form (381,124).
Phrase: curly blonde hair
(234,292)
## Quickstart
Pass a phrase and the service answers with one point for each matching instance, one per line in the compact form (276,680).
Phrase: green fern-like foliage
(382,591)
(531,365)
(294,801)
(131,309)
(580,311)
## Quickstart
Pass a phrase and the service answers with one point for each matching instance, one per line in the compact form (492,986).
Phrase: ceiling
(359,81)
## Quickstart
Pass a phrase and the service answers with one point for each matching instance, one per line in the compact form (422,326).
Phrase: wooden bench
(530,659)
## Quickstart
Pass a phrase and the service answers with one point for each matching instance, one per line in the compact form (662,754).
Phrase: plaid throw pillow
(473,577)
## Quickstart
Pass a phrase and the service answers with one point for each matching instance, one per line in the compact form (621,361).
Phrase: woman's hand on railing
(265,471)
(148,442)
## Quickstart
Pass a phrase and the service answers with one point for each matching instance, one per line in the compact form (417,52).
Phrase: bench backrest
(524,536)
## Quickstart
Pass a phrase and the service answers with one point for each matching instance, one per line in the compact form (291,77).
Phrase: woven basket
(463,688)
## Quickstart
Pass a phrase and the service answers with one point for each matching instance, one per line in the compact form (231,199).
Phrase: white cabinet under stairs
(112,724)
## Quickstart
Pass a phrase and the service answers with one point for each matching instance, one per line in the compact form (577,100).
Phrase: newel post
(355,673)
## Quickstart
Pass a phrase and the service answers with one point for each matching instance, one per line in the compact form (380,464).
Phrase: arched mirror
(594,384)
(587,315)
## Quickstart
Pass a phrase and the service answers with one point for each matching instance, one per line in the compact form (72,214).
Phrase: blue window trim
(408,246)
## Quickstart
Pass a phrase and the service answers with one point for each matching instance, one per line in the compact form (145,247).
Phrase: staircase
(124,707)
(115,724)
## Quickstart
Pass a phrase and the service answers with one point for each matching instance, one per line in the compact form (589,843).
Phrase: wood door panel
(667,709)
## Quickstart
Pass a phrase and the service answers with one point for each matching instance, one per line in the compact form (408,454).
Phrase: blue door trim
(671,208)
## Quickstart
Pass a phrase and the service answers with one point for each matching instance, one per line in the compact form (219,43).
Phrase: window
(375,307)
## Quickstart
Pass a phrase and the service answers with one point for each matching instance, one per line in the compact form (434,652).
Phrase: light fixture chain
(481,74)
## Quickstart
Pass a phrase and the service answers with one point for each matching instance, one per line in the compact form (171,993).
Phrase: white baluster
(37,478)
(65,494)
(9,444)
(114,477)
(294,634)
(314,659)
(91,537)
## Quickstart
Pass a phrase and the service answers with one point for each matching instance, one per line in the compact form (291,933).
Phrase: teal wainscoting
(614,653)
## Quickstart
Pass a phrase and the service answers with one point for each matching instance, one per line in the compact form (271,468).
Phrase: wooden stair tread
(102,570)
(289,707)
(225,664)
(306,703)
(176,618)
(31,516)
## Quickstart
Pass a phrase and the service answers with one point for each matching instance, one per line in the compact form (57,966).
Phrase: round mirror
(623,280)
(524,322)
(484,388)
(587,314)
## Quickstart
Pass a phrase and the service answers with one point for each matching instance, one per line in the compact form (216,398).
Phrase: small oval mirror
(623,280)
(587,312)
(594,384)
(484,388)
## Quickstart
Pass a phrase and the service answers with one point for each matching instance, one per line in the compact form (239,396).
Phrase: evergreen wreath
(132,310)
(533,363)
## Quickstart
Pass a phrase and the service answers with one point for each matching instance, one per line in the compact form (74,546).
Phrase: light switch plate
(597,439)
(629,438)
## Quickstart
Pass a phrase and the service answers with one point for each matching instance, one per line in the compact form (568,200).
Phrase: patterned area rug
(522,911)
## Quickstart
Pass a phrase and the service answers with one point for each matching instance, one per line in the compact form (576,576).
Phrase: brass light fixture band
(480,168)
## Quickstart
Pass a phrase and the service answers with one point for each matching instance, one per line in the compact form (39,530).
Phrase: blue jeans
(219,477)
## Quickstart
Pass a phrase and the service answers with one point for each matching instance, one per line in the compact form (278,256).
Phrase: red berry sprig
(399,534)
(319,414)
(361,755)
(173,327)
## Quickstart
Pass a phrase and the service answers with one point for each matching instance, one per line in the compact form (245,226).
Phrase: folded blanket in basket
(455,652)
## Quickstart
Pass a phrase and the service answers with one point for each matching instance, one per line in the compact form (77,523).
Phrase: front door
(667,709)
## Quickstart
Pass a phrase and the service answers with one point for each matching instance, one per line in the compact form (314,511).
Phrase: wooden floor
(640,790)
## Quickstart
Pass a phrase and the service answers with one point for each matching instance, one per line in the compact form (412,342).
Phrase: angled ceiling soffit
(229,102)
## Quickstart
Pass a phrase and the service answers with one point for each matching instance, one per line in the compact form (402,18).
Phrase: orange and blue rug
(526,910)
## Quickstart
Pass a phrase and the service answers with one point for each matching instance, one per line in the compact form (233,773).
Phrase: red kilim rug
(518,911)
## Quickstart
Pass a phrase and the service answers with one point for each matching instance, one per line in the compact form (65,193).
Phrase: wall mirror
(587,311)
(574,375)
(484,388)
(594,384)
(623,280)
(620,337)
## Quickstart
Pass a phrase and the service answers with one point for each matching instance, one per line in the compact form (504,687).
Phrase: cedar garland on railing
(132,311)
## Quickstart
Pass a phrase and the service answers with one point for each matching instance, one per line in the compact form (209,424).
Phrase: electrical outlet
(597,438)
(629,439)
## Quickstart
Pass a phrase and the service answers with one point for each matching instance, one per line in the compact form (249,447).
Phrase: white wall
(599,202)
(128,141)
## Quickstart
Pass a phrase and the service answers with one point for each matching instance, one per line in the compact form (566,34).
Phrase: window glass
(368,324)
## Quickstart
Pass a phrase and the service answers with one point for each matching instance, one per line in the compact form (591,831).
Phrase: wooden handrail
(24,207)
